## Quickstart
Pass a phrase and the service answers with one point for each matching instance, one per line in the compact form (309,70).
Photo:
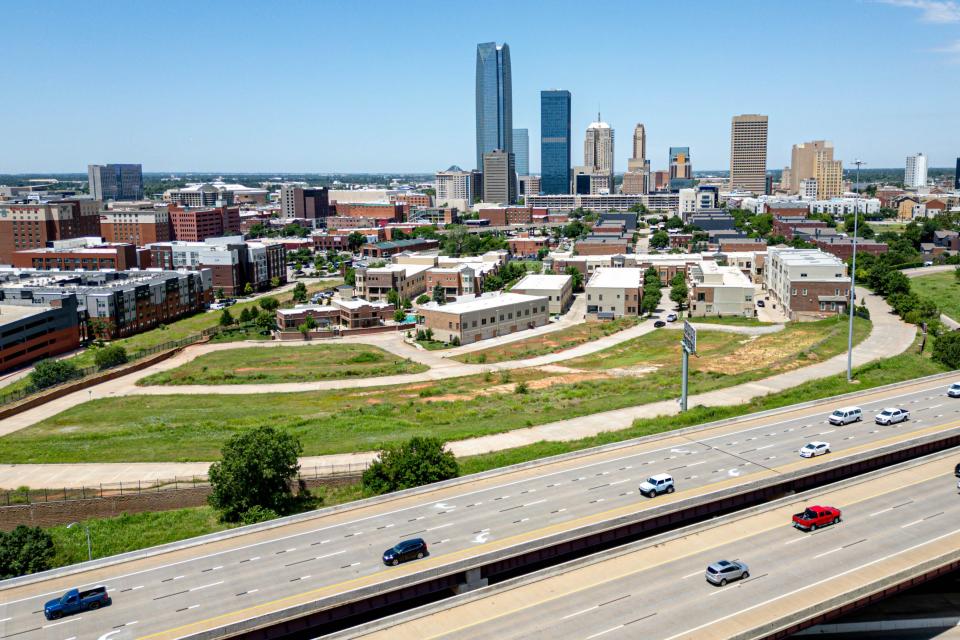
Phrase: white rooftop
(800,257)
(484,303)
(543,281)
(617,278)
(410,269)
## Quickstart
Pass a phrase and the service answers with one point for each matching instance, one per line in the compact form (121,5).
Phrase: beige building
(829,176)
(488,316)
(803,161)
(598,147)
(558,290)
(499,177)
(720,291)
(806,283)
(614,292)
(408,280)
(748,153)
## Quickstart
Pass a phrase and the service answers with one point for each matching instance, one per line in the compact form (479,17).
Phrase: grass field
(549,342)
(170,428)
(317,361)
(736,321)
(943,289)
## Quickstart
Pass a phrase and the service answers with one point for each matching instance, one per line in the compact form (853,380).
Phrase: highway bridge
(312,570)
(898,525)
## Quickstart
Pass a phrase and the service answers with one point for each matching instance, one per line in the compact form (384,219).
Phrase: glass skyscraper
(494,100)
(115,181)
(521,151)
(555,141)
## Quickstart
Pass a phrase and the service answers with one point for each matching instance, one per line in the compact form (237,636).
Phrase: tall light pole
(87,529)
(853,276)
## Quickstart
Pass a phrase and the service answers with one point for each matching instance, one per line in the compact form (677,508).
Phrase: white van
(846,415)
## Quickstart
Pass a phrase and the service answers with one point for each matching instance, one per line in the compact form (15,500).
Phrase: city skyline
(194,129)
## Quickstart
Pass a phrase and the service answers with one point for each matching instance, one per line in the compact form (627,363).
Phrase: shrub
(226,318)
(256,514)
(269,303)
(111,356)
(946,349)
(522,387)
(419,461)
(25,550)
(423,299)
(48,373)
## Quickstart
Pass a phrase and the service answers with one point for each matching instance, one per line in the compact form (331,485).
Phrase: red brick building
(352,314)
(199,223)
(503,216)
(137,226)
(843,247)
(391,211)
(30,225)
(119,256)
(789,209)
(30,332)
(412,199)
(526,245)
(786,226)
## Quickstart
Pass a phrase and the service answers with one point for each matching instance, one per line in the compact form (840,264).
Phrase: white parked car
(954,390)
(892,416)
(815,448)
(671,317)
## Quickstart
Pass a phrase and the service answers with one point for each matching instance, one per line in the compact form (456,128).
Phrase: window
(804,292)
(794,292)
(600,296)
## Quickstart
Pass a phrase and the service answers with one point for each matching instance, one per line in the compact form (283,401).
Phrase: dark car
(659,323)
(956,471)
(760,303)
(407,550)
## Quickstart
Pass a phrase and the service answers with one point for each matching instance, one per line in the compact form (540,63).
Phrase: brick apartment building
(408,280)
(199,223)
(787,226)
(232,262)
(124,302)
(390,211)
(77,255)
(412,199)
(30,332)
(459,280)
(789,209)
(842,247)
(139,227)
(728,245)
(33,224)
(806,283)
(527,245)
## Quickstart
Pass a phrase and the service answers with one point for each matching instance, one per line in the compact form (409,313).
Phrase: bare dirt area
(753,353)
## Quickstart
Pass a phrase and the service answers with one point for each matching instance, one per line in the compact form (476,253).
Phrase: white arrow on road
(445,506)
(482,536)
(109,634)
(734,472)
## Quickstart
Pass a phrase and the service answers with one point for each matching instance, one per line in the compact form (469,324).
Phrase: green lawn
(548,342)
(172,427)
(943,289)
(737,321)
(317,361)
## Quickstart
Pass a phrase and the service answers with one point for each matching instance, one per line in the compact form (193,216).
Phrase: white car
(657,484)
(954,390)
(671,317)
(892,416)
(815,448)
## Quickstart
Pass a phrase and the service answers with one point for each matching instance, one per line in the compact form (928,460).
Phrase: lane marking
(581,612)
(57,624)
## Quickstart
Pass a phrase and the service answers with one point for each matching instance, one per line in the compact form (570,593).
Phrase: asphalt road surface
(177,593)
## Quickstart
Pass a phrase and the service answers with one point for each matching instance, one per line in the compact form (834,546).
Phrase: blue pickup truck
(75,601)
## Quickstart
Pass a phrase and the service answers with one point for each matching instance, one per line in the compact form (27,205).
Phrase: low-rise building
(30,224)
(842,246)
(31,331)
(388,211)
(349,313)
(390,248)
(806,283)
(83,254)
(614,292)
(527,245)
(720,291)
(376,283)
(729,245)
(557,289)
(472,319)
(215,194)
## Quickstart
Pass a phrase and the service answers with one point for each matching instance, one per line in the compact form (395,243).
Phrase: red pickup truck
(816,516)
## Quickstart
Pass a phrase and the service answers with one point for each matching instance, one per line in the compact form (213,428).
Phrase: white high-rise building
(915,175)
(453,184)
(808,188)
(598,151)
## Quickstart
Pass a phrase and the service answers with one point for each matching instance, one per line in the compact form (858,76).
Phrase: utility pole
(853,276)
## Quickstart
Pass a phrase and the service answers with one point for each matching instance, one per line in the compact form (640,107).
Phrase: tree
(246,315)
(419,461)
(946,349)
(99,328)
(393,297)
(25,550)
(266,321)
(269,303)
(275,281)
(226,318)
(423,298)
(350,277)
(356,240)
(110,356)
(492,283)
(406,304)
(48,373)
(650,300)
(678,291)
(248,289)
(439,296)
(577,277)
(299,292)
(258,468)
(307,326)
(894,282)
(219,294)
(659,240)
(674,222)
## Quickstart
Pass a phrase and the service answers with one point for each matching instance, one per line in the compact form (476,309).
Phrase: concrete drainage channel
(340,612)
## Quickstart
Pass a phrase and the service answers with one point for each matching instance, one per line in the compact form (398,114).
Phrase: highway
(659,590)
(246,575)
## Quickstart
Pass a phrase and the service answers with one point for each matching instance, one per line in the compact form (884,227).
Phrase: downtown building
(681,169)
(197,224)
(555,158)
(748,153)
(305,203)
(494,100)
(915,172)
(115,181)
(637,178)
(32,224)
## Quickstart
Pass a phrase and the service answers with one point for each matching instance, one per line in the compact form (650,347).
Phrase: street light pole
(87,530)
(853,276)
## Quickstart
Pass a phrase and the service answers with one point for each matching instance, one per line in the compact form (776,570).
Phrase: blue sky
(388,86)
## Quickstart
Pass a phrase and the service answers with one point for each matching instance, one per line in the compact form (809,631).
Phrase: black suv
(407,550)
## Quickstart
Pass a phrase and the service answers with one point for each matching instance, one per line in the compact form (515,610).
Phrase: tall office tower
(453,184)
(494,100)
(636,180)
(803,159)
(828,174)
(555,141)
(956,176)
(785,179)
(598,147)
(915,174)
(310,203)
(499,177)
(639,142)
(115,181)
(681,171)
(521,151)
(748,153)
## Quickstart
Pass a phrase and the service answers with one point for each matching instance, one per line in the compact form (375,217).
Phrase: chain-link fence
(25,495)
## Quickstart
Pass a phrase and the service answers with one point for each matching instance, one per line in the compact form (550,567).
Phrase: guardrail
(26,495)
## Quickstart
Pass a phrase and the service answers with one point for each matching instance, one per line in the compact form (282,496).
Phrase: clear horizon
(381,88)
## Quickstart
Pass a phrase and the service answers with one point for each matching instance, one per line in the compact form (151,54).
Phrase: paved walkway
(889,337)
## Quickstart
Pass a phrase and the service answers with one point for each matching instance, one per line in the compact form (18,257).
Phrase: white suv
(846,415)
(657,484)
(954,390)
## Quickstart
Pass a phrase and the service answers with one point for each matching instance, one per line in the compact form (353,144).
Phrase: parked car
(671,317)
(815,448)
(956,471)
(846,415)
(816,516)
(659,324)
(403,551)
(892,416)
(76,601)
(725,571)
(954,390)
(928,263)
(761,303)
(657,484)
(216,306)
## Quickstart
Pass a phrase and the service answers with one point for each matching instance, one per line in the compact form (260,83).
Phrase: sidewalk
(889,337)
